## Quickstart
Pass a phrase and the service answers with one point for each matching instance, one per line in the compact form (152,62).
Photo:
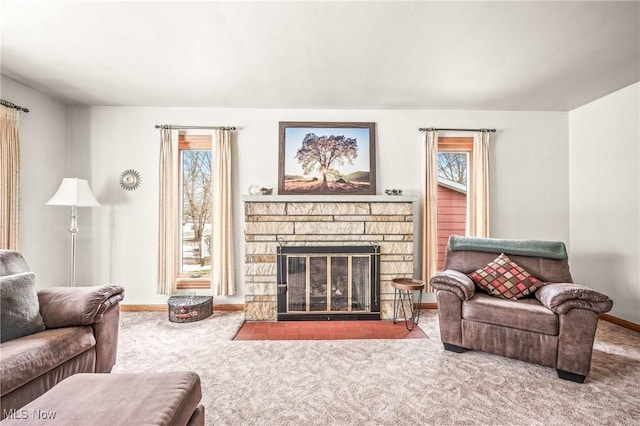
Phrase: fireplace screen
(327,281)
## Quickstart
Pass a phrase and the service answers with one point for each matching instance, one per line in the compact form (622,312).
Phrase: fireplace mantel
(391,221)
(330,198)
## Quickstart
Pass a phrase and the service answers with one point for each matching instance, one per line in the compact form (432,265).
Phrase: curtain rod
(175,127)
(430,129)
(12,105)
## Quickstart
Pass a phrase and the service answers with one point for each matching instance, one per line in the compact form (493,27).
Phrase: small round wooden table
(403,289)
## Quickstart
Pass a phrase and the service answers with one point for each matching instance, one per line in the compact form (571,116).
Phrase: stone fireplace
(339,226)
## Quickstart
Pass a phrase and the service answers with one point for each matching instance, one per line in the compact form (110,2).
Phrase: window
(454,158)
(195,211)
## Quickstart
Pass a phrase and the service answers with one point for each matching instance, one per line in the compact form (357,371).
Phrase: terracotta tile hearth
(326,330)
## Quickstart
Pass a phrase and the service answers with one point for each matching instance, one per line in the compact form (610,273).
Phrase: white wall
(529,189)
(604,139)
(45,229)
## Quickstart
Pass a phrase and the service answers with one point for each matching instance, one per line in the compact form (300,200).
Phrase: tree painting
(327,158)
(323,153)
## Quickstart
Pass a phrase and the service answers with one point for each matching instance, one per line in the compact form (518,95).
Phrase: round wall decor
(130,180)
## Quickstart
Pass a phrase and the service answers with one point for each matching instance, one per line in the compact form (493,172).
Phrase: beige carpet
(379,382)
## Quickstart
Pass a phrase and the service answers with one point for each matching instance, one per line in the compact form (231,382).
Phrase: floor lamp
(73,192)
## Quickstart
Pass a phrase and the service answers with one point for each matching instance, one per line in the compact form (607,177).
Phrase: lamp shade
(74,192)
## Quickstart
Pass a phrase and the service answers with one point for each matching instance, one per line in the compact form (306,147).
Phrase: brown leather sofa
(554,327)
(80,336)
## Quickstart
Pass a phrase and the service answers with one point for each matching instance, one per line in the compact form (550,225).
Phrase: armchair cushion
(562,297)
(504,278)
(19,308)
(75,306)
(455,282)
(526,314)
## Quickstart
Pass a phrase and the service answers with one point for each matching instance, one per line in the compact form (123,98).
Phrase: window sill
(193,283)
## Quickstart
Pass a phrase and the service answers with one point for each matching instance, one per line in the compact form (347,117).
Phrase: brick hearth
(390,221)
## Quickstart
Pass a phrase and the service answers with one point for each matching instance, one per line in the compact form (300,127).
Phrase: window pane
(196,212)
(452,198)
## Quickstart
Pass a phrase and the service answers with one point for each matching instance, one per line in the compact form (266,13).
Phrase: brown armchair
(56,333)
(554,327)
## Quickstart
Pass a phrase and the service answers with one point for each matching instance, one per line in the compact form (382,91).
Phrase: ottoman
(117,399)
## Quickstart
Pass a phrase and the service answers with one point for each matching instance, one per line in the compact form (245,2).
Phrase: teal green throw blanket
(548,249)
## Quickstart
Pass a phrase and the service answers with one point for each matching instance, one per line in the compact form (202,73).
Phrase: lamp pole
(74,231)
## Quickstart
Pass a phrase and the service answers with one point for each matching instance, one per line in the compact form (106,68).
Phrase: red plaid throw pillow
(504,278)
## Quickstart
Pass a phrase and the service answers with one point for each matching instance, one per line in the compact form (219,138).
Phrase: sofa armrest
(75,306)
(455,282)
(562,297)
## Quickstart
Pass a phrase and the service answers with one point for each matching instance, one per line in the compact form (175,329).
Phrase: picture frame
(308,163)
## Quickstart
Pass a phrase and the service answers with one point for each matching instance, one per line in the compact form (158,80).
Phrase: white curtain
(9,178)
(430,208)
(169,223)
(222,262)
(479,186)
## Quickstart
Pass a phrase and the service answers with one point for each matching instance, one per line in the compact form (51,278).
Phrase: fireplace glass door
(329,283)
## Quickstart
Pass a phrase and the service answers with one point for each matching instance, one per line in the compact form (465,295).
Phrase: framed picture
(327,158)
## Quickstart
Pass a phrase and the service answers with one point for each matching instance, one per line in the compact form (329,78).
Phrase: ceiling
(544,56)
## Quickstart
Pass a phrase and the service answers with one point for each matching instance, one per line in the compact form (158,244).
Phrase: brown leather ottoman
(117,399)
